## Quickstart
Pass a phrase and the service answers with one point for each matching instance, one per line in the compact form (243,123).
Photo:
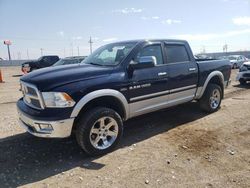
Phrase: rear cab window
(176,53)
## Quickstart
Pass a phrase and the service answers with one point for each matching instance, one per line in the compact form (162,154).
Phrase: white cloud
(241,21)
(155,17)
(77,38)
(171,21)
(109,39)
(150,18)
(60,33)
(128,10)
(210,36)
(236,1)
(95,38)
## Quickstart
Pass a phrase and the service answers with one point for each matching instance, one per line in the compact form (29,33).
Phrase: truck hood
(51,77)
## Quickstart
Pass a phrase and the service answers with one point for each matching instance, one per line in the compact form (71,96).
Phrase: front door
(148,86)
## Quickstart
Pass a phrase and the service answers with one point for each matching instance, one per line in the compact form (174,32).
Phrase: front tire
(211,99)
(99,131)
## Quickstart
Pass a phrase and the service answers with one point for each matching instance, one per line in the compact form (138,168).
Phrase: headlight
(57,100)
(243,68)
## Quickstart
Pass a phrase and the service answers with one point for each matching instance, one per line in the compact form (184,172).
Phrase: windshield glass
(232,58)
(40,58)
(68,61)
(110,55)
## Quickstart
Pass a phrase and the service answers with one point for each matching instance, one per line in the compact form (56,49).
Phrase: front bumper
(243,75)
(46,129)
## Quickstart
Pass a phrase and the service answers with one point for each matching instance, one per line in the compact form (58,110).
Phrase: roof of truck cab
(153,40)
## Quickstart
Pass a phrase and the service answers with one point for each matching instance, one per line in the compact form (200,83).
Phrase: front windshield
(67,61)
(232,58)
(110,55)
(60,62)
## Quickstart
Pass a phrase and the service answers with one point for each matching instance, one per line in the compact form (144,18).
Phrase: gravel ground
(176,147)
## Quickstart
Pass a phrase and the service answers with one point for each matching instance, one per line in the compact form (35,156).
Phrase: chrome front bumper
(46,129)
(240,75)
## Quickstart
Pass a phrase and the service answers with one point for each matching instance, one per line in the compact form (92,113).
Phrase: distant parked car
(70,60)
(203,56)
(223,57)
(244,73)
(44,61)
(237,60)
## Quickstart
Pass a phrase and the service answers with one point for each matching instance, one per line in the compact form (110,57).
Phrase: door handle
(192,69)
(162,74)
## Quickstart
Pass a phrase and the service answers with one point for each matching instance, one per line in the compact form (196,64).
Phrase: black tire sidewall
(205,101)
(87,121)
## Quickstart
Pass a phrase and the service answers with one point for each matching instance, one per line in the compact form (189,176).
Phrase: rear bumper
(46,129)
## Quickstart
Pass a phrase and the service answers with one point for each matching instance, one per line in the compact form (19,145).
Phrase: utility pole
(78,50)
(41,51)
(72,48)
(225,48)
(90,44)
(19,55)
(28,54)
(8,43)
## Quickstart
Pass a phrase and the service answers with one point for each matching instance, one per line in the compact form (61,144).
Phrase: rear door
(147,88)
(183,73)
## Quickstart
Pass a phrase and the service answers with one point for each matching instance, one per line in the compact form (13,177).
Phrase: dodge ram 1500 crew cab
(117,82)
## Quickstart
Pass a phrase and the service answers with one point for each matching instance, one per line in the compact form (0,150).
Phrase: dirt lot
(177,147)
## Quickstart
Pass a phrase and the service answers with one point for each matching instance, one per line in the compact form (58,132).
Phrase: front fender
(100,93)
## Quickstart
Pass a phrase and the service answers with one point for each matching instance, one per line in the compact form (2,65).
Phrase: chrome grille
(31,95)
(248,67)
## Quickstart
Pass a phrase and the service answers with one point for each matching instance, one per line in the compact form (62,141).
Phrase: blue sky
(62,26)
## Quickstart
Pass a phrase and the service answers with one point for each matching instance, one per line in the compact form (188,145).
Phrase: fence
(6,63)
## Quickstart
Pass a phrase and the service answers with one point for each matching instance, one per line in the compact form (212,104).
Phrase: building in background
(216,55)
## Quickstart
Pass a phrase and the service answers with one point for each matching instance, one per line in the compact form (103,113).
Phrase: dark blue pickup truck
(117,82)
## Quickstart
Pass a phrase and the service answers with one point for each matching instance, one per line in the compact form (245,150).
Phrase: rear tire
(211,99)
(99,131)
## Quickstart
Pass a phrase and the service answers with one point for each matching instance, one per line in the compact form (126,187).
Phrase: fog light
(45,127)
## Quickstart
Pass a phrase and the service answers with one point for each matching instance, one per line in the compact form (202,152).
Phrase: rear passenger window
(176,53)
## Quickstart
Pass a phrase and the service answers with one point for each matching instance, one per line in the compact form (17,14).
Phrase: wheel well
(105,101)
(217,80)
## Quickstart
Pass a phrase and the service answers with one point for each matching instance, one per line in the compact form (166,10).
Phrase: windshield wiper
(92,63)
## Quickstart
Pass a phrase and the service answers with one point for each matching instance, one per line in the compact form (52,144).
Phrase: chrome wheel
(103,133)
(215,99)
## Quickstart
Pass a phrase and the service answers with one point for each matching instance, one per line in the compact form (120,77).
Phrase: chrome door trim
(149,95)
(182,88)
(157,103)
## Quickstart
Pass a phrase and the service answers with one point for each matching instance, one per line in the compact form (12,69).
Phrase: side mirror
(144,62)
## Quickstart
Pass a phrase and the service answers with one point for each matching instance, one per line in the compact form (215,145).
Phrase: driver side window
(153,50)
